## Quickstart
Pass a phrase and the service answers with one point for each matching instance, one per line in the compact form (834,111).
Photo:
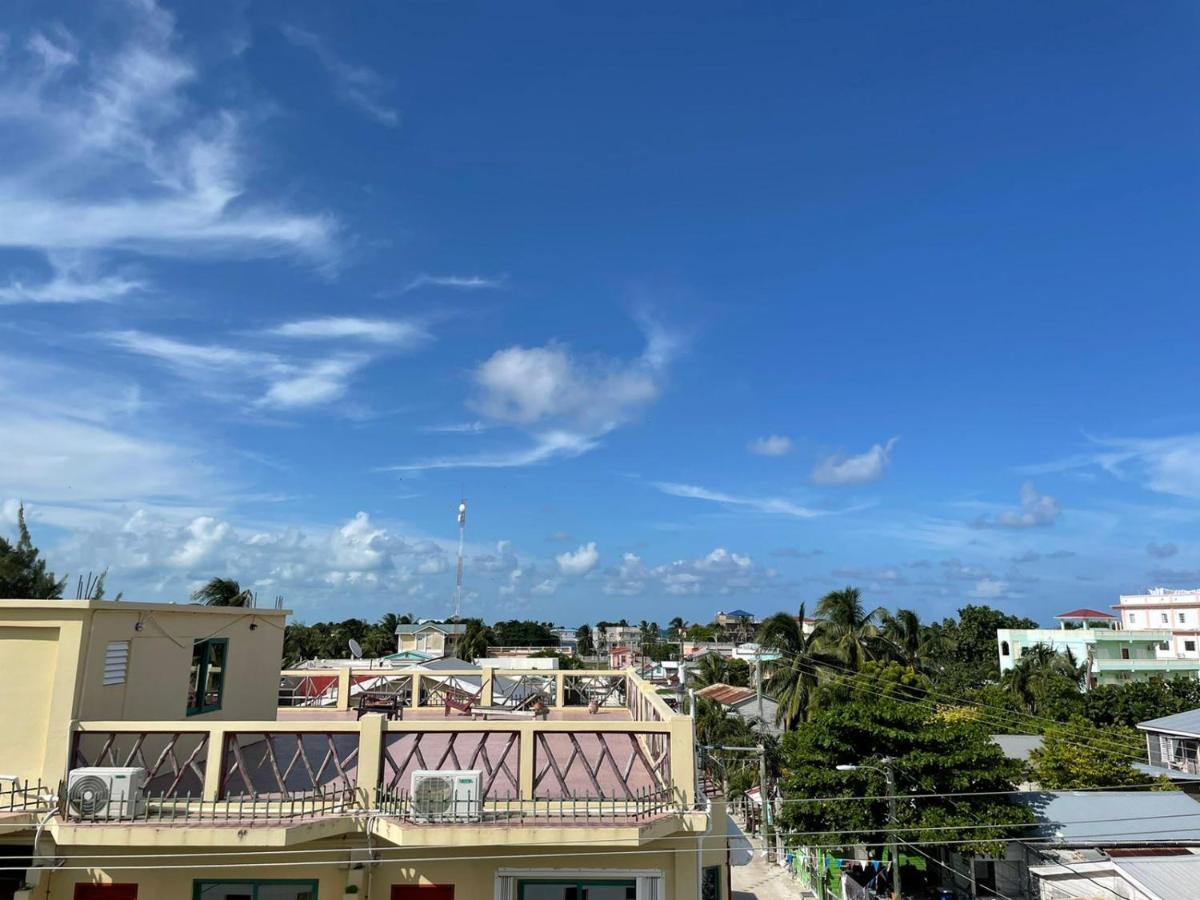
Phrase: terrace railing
(233,771)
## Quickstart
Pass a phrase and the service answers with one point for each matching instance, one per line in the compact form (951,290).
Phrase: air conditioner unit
(447,796)
(106,792)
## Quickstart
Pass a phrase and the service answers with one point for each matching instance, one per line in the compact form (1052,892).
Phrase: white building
(1111,653)
(1165,609)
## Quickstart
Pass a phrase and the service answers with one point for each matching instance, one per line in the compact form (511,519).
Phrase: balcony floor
(436,714)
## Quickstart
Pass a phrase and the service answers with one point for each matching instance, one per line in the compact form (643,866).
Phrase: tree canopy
(931,754)
(1080,755)
(23,572)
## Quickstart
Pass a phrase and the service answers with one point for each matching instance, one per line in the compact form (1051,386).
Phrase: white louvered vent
(116,662)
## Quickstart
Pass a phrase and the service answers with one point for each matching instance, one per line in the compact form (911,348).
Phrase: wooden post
(683,760)
(415,703)
(560,688)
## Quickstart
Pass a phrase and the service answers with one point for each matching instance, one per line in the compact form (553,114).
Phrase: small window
(1166,619)
(1163,645)
(1182,618)
(1124,653)
(1189,646)
(206,686)
(116,662)
(1004,648)
(710,884)
(1132,618)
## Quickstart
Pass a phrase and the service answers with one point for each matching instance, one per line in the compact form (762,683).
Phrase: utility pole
(762,756)
(890,773)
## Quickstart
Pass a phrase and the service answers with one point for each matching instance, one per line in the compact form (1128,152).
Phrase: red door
(422,892)
(106,892)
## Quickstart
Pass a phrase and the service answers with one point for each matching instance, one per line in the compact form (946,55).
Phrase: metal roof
(725,694)
(443,627)
(1085,613)
(1186,723)
(1017,746)
(1162,877)
(1100,818)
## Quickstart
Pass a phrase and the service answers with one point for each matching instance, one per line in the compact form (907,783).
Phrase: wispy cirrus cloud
(71,280)
(455,282)
(1164,465)
(546,447)
(864,468)
(771,505)
(257,377)
(401,333)
(108,153)
(361,87)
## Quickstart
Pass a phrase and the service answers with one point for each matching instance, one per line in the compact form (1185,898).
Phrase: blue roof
(1101,818)
(740,613)
(443,627)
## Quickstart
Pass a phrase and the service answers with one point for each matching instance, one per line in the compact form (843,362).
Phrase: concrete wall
(474,871)
(52,671)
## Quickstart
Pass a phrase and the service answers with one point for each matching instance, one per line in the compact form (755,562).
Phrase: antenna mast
(462,533)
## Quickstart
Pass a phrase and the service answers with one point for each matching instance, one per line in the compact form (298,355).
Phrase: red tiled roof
(725,694)
(1085,614)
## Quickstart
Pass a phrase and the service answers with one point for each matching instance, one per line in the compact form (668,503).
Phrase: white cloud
(205,535)
(772,505)
(1169,465)
(562,402)
(717,573)
(72,280)
(990,588)
(772,445)
(359,86)
(405,334)
(1036,510)
(456,282)
(862,469)
(230,370)
(579,562)
(107,153)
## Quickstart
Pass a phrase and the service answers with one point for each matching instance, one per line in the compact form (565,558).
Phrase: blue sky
(701,305)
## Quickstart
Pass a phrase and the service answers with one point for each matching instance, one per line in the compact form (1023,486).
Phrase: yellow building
(152,759)
(434,638)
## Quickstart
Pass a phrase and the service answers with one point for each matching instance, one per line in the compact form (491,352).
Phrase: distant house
(620,657)
(1173,745)
(743,703)
(735,617)
(438,638)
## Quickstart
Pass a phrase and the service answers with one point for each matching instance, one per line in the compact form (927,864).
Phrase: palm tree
(846,629)
(910,642)
(583,638)
(223,592)
(711,670)
(388,622)
(676,628)
(792,678)
(1034,675)
(475,640)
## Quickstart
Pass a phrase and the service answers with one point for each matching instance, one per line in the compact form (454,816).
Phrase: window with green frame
(255,889)
(575,889)
(710,883)
(206,684)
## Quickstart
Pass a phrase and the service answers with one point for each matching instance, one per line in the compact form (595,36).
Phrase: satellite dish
(355,649)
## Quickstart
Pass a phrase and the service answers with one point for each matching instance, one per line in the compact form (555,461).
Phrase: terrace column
(485,696)
(344,682)
(560,689)
(370,759)
(525,774)
(214,764)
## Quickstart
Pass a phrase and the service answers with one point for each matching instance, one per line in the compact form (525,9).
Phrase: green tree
(1046,682)
(524,633)
(475,640)
(932,754)
(846,629)
(1139,701)
(716,669)
(971,658)
(912,643)
(701,633)
(1080,755)
(676,628)
(222,592)
(565,661)
(792,679)
(23,573)
(584,642)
